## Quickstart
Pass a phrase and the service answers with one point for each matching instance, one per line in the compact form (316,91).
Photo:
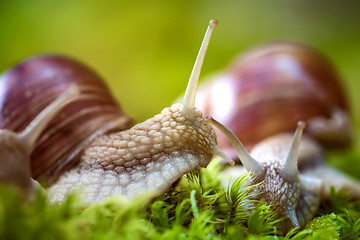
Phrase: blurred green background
(146,49)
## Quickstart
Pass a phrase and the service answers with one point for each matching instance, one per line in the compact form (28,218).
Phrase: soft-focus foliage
(199,207)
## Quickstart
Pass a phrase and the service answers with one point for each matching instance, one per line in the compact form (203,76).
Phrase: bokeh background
(145,50)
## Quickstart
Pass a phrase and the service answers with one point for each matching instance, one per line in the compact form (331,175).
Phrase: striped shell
(269,89)
(31,85)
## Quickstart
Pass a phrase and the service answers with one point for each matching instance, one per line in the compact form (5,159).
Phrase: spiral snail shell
(270,88)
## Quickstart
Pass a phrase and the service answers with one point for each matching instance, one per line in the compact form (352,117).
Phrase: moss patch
(199,207)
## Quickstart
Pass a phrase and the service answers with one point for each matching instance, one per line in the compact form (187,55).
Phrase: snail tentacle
(249,162)
(189,98)
(290,168)
(221,154)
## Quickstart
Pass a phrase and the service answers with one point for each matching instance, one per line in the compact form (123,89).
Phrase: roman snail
(85,147)
(261,98)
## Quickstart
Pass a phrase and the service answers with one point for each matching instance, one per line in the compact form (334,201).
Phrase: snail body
(150,156)
(103,161)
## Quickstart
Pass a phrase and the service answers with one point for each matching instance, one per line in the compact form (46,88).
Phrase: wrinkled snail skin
(148,157)
(298,192)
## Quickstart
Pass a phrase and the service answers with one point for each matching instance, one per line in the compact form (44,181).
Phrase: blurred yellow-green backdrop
(146,49)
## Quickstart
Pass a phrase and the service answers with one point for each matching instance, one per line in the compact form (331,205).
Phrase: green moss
(198,207)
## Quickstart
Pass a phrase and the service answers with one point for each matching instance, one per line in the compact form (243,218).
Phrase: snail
(268,90)
(101,159)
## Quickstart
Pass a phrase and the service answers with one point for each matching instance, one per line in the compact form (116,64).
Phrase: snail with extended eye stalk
(267,92)
(148,157)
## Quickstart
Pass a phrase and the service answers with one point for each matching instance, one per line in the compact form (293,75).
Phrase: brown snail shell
(31,85)
(269,89)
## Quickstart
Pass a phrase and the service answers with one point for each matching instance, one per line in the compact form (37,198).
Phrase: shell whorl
(267,90)
(15,148)
(35,83)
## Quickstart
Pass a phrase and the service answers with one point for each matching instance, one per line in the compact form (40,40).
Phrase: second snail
(262,97)
(109,168)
